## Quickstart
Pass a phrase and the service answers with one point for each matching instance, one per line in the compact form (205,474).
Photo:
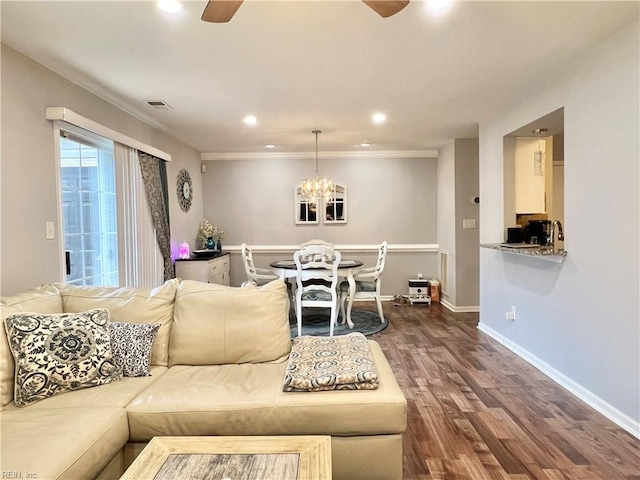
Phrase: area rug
(315,321)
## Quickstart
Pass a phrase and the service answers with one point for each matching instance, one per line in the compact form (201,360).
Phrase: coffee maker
(538,232)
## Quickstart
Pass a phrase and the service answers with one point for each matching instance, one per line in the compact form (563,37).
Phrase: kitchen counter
(548,253)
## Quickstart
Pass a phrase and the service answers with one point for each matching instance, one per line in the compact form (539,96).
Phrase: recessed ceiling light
(171,6)
(438,8)
(250,120)
(365,144)
(379,118)
(269,145)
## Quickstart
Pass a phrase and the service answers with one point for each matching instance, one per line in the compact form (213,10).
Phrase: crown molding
(214,156)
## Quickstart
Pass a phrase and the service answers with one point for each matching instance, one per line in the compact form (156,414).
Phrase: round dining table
(347,268)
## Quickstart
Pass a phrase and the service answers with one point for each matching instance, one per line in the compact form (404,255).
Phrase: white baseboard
(445,303)
(453,308)
(619,418)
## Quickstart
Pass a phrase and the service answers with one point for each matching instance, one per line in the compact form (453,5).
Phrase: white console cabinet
(210,270)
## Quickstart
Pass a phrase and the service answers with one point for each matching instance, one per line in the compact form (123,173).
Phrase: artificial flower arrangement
(209,231)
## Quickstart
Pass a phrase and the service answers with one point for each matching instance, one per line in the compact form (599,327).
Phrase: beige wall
(447,216)
(457,184)
(27,170)
(388,199)
(578,321)
(467,239)
(392,199)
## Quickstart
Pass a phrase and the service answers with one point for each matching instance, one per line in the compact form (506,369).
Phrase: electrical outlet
(511,315)
(469,223)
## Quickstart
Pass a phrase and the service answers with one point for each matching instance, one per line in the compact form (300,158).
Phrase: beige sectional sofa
(217,368)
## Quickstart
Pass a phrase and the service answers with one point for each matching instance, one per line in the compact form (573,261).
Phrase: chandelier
(319,187)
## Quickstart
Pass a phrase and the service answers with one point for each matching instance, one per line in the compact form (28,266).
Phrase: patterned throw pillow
(59,352)
(131,344)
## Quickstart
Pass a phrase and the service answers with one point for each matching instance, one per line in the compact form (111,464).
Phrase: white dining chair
(318,241)
(367,284)
(316,281)
(258,275)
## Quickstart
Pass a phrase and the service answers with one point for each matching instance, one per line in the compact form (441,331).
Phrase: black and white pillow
(55,353)
(131,344)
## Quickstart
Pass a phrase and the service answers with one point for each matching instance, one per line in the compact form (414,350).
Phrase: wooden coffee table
(250,458)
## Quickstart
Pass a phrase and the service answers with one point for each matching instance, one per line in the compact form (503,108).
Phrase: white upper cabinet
(532,173)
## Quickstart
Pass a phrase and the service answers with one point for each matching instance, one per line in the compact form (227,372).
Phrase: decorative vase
(211,245)
(219,246)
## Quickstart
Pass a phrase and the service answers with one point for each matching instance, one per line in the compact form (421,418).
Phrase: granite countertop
(202,256)
(548,252)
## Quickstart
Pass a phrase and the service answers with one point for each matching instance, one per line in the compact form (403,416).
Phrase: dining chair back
(368,282)
(318,241)
(258,275)
(316,281)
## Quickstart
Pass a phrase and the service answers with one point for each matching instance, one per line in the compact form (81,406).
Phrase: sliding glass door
(88,188)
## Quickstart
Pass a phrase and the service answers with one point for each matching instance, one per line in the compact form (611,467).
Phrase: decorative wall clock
(185,190)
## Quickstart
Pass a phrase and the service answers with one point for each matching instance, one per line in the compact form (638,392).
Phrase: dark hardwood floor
(476,411)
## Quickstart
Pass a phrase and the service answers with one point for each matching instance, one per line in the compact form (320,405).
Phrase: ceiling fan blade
(220,11)
(386,8)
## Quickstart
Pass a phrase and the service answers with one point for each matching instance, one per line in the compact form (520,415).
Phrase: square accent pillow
(131,344)
(59,352)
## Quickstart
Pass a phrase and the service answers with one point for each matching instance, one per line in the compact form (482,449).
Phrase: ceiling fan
(221,11)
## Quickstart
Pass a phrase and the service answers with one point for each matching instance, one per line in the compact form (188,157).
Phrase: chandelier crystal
(318,187)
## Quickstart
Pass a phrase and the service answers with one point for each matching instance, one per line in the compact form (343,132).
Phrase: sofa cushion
(129,304)
(247,399)
(61,443)
(215,324)
(131,344)
(58,352)
(114,394)
(45,299)
(317,296)
(204,400)
(361,286)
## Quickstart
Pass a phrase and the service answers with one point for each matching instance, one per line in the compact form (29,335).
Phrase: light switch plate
(469,223)
(51,232)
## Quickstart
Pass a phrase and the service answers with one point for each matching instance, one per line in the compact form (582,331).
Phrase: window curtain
(154,174)
(141,263)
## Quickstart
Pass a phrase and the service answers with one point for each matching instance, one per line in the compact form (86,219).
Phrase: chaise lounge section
(217,368)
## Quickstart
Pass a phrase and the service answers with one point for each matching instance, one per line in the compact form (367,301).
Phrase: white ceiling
(305,65)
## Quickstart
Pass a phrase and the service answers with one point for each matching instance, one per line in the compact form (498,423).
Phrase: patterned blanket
(343,362)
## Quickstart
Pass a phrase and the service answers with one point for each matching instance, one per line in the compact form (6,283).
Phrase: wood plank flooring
(476,411)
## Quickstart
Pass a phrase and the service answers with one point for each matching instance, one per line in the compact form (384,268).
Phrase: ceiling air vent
(159,104)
